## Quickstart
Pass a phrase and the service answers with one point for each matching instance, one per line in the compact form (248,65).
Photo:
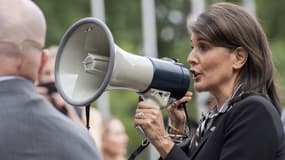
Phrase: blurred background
(155,28)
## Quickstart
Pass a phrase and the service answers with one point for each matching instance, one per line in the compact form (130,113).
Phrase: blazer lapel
(209,132)
(200,145)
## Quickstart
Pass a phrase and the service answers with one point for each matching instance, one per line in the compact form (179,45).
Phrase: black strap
(139,150)
(186,114)
(87,113)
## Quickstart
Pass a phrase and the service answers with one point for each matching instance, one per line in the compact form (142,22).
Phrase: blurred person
(114,139)
(30,127)
(231,59)
(210,103)
(46,87)
(96,126)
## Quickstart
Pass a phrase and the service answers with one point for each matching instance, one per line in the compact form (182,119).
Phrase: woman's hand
(176,112)
(43,91)
(150,119)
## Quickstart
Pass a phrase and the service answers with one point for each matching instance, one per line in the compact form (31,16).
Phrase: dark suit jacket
(32,129)
(251,130)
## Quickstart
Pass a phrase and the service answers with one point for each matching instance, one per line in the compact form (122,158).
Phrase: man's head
(22,37)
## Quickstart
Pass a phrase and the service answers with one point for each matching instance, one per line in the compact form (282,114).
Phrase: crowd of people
(230,58)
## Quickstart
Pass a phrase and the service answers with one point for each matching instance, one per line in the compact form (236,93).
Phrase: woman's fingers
(185,99)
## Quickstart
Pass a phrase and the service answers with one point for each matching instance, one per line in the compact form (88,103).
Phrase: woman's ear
(240,57)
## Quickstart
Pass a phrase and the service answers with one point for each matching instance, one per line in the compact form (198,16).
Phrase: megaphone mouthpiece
(95,63)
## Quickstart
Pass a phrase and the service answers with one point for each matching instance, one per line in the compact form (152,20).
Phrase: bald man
(29,127)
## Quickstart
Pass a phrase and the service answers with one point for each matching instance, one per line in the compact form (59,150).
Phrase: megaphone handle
(140,130)
(157,98)
(141,133)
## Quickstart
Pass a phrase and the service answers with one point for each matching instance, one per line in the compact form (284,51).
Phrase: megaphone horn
(88,63)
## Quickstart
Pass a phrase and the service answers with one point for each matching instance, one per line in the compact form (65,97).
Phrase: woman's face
(211,66)
(115,139)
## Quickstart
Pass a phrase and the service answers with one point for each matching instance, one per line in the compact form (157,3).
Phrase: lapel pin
(212,129)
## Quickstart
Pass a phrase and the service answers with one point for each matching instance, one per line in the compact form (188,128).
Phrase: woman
(114,140)
(231,59)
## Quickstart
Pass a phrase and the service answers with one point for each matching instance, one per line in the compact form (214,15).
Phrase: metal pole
(149,45)
(103,103)
(249,5)
(197,7)
(98,9)
(149,28)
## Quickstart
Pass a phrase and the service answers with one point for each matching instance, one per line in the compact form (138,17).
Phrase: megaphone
(88,63)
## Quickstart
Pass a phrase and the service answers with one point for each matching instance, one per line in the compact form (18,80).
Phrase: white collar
(5,78)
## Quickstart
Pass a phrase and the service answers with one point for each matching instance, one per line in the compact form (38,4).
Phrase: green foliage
(278,48)
(172,34)
(124,21)
(124,106)
(272,17)
(60,15)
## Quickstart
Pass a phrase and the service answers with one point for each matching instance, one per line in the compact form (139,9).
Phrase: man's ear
(44,59)
(240,57)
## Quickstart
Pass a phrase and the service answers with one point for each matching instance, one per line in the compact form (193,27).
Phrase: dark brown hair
(230,26)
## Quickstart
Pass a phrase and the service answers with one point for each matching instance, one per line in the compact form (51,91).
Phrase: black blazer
(251,130)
